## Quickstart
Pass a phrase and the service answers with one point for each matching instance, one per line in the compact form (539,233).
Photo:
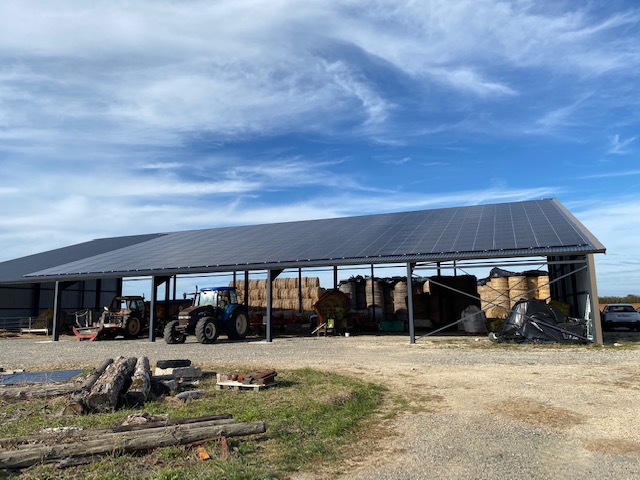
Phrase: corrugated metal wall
(30,300)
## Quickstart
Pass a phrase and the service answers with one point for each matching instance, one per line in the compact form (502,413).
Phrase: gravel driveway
(471,409)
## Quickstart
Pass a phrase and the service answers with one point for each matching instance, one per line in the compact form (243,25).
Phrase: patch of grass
(310,417)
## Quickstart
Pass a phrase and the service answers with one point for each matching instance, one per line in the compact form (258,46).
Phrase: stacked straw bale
(499,294)
(285,293)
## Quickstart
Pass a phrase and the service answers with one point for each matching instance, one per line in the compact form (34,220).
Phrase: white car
(620,315)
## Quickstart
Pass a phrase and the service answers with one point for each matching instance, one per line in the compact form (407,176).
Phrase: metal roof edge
(600,248)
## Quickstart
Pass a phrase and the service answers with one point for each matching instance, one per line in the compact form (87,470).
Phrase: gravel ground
(471,410)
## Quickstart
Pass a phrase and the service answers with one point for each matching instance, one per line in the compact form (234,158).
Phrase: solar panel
(541,227)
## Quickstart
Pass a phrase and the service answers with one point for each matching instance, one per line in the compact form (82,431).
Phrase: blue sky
(125,117)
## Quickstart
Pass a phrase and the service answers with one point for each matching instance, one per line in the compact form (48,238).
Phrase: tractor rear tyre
(207,330)
(238,325)
(172,335)
(133,327)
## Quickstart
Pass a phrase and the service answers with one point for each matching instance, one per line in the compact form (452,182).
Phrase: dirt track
(471,410)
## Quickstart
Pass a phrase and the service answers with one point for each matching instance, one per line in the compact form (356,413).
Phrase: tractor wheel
(171,334)
(207,330)
(133,327)
(238,325)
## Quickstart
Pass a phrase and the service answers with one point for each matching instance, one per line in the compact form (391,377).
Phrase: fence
(23,325)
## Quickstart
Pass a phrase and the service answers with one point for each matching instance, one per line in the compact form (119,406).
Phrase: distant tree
(631,298)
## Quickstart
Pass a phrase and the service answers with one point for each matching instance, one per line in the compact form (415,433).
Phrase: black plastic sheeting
(535,321)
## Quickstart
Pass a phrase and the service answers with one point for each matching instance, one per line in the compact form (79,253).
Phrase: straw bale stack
(494,297)
(375,297)
(518,289)
(400,300)
(543,291)
(285,293)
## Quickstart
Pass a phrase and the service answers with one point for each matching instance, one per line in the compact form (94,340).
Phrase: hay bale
(518,289)
(374,293)
(349,288)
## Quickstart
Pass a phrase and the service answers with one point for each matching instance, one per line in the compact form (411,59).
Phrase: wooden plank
(243,386)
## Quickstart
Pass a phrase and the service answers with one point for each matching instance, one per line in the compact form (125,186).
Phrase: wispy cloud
(625,173)
(619,146)
(161,166)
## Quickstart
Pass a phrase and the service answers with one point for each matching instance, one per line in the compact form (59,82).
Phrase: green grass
(310,417)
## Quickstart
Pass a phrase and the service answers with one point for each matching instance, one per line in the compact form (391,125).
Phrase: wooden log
(58,437)
(76,402)
(105,394)
(140,387)
(118,443)
(37,390)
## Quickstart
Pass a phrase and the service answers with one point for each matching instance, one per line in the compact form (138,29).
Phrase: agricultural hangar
(539,234)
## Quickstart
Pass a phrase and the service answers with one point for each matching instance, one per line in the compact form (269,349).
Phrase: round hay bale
(400,296)
(500,284)
(374,293)
(544,289)
(490,297)
(518,289)
(349,288)
(497,312)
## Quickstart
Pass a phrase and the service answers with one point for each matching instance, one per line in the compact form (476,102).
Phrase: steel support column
(152,309)
(593,298)
(412,329)
(57,308)
(271,276)
(153,301)
(57,300)
(268,327)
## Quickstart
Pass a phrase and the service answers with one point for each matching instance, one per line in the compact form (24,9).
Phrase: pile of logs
(75,447)
(125,380)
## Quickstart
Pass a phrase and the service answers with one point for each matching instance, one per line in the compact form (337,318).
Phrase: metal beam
(412,328)
(57,299)
(153,320)
(271,276)
(593,298)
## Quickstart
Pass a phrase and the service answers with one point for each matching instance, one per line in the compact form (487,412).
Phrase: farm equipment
(212,312)
(332,310)
(125,316)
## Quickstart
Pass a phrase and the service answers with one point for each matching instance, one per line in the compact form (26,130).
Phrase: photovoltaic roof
(531,228)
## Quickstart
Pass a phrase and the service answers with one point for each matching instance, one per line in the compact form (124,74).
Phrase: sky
(127,117)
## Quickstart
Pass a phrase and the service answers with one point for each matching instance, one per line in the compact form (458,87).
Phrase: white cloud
(620,146)
(615,223)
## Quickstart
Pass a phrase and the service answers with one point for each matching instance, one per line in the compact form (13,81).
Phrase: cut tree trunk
(105,393)
(118,443)
(76,401)
(140,388)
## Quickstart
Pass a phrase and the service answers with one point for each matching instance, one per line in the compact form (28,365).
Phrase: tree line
(628,299)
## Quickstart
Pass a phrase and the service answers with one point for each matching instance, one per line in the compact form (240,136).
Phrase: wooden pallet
(231,384)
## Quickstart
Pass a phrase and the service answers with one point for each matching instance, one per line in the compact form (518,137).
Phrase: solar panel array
(541,227)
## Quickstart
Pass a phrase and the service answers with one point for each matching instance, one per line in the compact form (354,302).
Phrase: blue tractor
(212,312)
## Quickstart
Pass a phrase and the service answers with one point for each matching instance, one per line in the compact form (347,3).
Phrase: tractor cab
(127,304)
(220,297)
